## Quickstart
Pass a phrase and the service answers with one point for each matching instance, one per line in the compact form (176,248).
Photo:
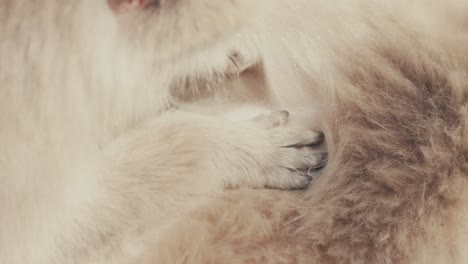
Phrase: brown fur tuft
(393,191)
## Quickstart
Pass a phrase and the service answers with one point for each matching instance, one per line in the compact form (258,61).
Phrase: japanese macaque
(97,140)
(120,129)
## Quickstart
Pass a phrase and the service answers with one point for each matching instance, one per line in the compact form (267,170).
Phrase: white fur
(92,152)
(92,156)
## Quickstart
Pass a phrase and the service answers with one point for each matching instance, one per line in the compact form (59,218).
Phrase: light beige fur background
(121,131)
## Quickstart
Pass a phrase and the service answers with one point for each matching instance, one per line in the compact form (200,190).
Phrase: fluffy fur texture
(388,76)
(394,190)
(95,147)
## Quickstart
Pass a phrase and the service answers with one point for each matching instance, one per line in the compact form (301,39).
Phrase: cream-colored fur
(394,190)
(388,76)
(95,145)
(394,74)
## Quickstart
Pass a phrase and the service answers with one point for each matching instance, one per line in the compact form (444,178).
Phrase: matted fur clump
(393,191)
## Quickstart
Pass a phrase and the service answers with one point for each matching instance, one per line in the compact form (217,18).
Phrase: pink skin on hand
(128,5)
